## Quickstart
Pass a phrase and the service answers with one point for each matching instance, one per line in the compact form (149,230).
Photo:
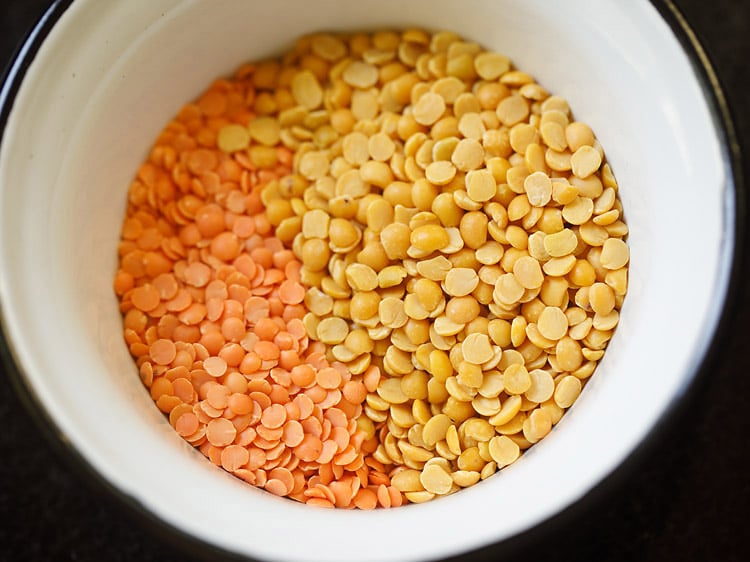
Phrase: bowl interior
(110,75)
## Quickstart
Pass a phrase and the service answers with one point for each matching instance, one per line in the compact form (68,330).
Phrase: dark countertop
(688,499)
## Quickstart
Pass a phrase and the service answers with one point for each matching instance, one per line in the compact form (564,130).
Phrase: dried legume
(373,271)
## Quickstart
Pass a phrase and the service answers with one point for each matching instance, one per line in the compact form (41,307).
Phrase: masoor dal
(373,271)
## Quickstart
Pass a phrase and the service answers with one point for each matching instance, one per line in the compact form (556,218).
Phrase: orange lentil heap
(373,271)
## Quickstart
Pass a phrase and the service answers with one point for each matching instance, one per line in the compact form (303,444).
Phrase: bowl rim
(733,255)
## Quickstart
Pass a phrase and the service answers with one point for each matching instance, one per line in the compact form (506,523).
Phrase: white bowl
(81,115)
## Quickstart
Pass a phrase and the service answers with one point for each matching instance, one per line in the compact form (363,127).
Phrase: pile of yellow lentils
(372,271)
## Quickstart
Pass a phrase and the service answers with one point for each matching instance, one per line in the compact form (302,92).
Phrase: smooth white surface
(109,77)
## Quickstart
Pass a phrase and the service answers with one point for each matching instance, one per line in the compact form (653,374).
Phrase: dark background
(685,499)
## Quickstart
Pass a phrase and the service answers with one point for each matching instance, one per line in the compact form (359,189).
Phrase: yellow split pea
(460,233)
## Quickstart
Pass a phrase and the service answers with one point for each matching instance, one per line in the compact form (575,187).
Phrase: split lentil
(373,271)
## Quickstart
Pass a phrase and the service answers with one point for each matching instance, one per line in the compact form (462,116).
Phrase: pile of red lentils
(372,271)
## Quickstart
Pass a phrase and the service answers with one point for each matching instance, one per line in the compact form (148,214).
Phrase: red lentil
(214,266)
